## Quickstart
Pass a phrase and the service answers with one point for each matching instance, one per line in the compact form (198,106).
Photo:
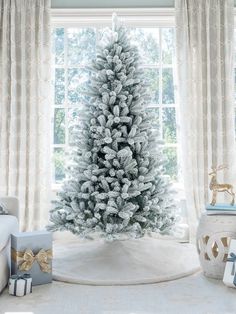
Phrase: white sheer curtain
(204,36)
(25,107)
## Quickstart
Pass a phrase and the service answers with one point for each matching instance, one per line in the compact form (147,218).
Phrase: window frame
(136,17)
(132,17)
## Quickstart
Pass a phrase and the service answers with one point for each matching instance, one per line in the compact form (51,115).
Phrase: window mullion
(160,85)
(59,145)
(66,89)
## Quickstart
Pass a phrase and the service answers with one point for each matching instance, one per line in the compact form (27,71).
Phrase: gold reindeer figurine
(215,187)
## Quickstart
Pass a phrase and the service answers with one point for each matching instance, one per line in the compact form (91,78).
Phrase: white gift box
(20,285)
(230,267)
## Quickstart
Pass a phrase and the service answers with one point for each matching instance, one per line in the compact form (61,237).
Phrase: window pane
(167,45)
(171,162)
(81,45)
(59,126)
(59,164)
(58,45)
(147,40)
(77,81)
(59,86)
(169,125)
(73,118)
(167,87)
(152,77)
(155,116)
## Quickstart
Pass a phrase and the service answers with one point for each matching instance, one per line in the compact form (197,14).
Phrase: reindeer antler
(221,167)
(215,169)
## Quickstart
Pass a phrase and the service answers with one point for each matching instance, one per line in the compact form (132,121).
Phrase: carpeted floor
(191,295)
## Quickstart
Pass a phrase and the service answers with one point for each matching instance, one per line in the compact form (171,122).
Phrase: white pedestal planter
(213,237)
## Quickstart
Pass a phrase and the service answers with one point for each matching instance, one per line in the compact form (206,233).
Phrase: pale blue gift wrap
(31,252)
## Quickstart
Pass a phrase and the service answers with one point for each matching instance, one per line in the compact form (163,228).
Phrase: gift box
(31,252)
(20,285)
(229,274)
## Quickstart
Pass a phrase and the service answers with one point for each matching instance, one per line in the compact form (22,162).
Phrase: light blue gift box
(31,252)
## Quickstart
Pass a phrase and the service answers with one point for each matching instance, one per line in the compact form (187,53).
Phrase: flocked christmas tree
(115,182)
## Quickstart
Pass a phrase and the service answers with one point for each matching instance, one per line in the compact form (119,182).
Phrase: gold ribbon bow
(26,259)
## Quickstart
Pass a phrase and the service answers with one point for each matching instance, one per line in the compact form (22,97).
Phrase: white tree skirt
(128,262)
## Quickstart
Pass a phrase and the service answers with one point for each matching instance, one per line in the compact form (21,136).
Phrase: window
(74,46)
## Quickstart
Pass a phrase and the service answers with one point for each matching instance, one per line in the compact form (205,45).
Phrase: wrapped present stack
(31,253)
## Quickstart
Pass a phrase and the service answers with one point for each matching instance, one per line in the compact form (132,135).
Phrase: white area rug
(129,262)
